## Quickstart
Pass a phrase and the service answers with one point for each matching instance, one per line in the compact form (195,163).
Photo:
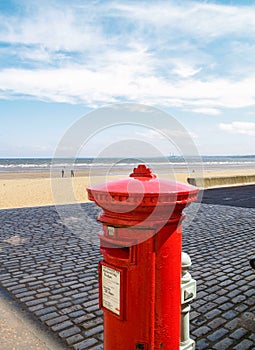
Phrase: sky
(62,60)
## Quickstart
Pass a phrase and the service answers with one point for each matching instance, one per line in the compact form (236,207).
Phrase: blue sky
(192,59)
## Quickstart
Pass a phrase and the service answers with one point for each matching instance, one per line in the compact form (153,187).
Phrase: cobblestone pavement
(52,270)
(237,196)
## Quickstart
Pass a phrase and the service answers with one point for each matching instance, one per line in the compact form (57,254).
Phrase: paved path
(237,196)
(18,330)
(51,270)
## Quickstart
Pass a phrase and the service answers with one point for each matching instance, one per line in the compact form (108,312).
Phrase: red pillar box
(140,275)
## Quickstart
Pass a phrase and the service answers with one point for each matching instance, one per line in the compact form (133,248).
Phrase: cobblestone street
(51,269)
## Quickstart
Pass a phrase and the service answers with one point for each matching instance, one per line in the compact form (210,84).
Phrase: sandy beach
(32,189)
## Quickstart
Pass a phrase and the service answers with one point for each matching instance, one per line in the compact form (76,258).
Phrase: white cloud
(244,128)
(203,20)
(103,52)
(35,54)
(150,134)
(207,111)
(118,82)
(53,27)
(185,70)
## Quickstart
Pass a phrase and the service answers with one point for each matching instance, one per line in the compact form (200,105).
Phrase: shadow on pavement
(238,196)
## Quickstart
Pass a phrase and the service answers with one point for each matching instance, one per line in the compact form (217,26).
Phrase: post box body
(139,277)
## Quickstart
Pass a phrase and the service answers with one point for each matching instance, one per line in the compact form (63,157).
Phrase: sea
(125,165)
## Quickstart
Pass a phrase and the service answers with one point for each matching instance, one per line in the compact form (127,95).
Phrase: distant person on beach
(72,173)
(63,173)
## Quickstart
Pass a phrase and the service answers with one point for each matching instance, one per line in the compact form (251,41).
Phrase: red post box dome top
(143,188)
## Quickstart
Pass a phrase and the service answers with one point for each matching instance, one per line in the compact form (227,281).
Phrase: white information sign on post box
(111,289)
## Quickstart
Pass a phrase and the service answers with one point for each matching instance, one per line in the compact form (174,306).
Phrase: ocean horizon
(178,163)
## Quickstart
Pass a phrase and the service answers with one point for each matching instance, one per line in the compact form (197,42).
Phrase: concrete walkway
(18,331)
